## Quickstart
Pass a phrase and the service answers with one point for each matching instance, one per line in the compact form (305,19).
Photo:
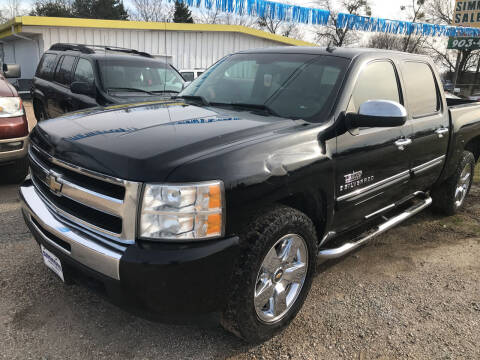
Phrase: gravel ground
(413,293)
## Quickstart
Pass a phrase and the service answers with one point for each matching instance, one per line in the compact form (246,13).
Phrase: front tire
(273,274)
(449,197)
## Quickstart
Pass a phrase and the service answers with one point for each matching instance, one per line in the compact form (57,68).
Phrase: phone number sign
(464,43)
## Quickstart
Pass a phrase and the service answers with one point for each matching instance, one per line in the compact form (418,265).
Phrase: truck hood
(145,142)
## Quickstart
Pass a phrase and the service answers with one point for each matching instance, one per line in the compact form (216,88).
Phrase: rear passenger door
(429,120)
(83,73)
(60,101)
(372,170)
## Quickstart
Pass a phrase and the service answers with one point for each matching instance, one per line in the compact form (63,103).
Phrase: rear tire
(450,196)
(273,274)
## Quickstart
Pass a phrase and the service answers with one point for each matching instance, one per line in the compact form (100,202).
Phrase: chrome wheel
(463,185)
(280,278)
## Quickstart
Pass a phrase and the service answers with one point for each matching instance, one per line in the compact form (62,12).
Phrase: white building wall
(187,49)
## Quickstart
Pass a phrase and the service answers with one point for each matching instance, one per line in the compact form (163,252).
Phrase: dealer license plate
(52,262)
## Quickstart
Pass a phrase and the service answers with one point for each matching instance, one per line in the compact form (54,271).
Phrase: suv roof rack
(90,49)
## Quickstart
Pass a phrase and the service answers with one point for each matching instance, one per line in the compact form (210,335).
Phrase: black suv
(72,77)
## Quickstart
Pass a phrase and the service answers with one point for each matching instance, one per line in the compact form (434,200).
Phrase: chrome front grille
(101,204)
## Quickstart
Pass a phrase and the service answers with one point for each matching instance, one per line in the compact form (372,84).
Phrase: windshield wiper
(130,90)
(194,98)
(263,107)
(164,91)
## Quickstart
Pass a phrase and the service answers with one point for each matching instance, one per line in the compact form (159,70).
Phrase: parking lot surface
(412,293)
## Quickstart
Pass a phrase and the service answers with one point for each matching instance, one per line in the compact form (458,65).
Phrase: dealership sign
(464,43)
(467,13)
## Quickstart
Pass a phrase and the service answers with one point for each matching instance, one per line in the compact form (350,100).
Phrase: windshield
(288,85)
(143,76)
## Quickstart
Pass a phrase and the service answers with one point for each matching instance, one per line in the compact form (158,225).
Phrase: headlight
(183,212)
(10,107)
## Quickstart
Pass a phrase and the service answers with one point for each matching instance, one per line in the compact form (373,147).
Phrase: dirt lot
(412,293)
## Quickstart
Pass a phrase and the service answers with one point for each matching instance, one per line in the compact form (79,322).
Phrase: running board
(326,254)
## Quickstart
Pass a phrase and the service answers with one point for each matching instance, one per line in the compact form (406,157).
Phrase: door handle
(441,131)
(401,143)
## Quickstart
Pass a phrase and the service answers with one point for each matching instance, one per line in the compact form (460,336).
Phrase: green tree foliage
(182,13)
(53,8)
(90,9)
(100,9)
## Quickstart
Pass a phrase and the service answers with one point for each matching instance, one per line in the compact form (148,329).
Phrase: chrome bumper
(14,154)
(83,249)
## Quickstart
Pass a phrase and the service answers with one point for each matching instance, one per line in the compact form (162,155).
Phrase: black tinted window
(46,66)
(377,81)
(63,75)
(84,71)
(188,76)
(290,85)
(420,89)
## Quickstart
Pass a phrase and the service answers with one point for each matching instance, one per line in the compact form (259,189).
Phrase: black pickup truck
(224,199)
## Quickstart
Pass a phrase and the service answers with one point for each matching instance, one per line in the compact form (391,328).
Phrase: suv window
(377,81)
(63,75)
(84,72)
(188,75)
(421,89)
(47,66)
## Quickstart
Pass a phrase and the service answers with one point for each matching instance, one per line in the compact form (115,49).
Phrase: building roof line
(5,29)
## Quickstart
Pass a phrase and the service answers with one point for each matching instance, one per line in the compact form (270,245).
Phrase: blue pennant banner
(262,8)
(373,24)
(305,15)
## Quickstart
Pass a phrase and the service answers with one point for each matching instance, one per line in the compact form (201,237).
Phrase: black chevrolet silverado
(223,199)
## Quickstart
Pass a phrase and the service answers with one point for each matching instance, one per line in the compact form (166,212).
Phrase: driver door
(372,168)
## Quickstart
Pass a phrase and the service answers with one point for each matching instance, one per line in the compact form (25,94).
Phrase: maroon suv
(13,129)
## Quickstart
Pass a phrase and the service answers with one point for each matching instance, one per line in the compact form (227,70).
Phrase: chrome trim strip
(379,211)
(67,215)
(86,251)
(393,179)
(387,225)
(428,165)
(126,209)
(83,195)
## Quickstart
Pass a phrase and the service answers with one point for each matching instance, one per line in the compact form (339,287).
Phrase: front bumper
(164,279)
(13,149)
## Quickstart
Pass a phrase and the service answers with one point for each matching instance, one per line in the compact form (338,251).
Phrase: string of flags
(312,16)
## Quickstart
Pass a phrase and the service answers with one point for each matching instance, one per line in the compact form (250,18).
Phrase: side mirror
(378,113)
(185,84)
(12,70)
(83,88)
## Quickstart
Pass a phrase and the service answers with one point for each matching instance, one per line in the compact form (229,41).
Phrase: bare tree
(334,34)
(215,16)
(152,10)
(415,12)
(11,8)
(441,12)
(278,26)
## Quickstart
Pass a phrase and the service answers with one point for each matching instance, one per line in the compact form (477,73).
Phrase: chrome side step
(326,254)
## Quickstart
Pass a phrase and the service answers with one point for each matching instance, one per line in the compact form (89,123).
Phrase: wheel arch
(312,205)
(473,145)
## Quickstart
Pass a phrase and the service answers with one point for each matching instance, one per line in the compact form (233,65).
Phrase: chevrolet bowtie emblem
(54,183)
